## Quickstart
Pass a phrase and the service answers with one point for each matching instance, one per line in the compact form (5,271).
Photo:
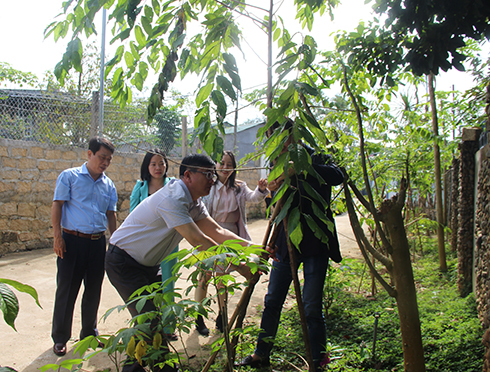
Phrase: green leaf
(134,51)
(226,87)
(204,93)
(8,304)
(314,127)
(128,57)
(69,363)
(294,227)
(140,37)
(219,101)
(306,88)
(143,69)
(300,157)
(285,208)
(156,6)
(74,52)
(319,234)
(230,61)
(147,26)
(178,41)
(235,78)
(47,367)
(22,288)
(277,33)
(7,369)
(320,214)
(138,81)
(315,195)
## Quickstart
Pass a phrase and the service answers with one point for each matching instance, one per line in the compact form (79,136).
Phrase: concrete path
(30,347)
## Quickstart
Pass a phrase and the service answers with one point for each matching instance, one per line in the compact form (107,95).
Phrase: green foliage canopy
(167,122)
(439,28)
(424,36)
(12,75)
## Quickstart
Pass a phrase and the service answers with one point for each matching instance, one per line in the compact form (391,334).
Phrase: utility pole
(102,70)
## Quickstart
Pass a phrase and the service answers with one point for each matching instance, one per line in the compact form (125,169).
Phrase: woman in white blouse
(226,205)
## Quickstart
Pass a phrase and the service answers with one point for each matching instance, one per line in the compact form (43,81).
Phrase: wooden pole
(241,308)
(299,299)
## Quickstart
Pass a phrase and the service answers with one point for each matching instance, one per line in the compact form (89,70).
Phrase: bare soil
(30,347)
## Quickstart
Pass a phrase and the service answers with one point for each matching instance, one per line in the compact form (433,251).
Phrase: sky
(22,43)
(22,24)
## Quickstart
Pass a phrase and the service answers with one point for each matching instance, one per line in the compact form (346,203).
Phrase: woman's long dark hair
(231,182)
(145,173)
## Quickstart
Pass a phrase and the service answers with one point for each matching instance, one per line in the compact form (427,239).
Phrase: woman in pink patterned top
(226,205)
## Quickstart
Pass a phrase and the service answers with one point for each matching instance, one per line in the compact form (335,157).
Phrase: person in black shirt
(314,252)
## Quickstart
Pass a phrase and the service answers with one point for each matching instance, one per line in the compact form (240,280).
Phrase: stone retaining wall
(482,239)
(466,209)
(482,256)
(27,179)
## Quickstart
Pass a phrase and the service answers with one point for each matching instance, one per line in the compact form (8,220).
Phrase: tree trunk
(406,297)
(454,204)
(437,174)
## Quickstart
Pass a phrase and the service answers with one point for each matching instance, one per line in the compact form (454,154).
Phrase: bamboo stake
(241,308)
(299,300)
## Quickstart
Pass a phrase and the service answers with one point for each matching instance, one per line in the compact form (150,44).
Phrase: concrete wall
(27,179)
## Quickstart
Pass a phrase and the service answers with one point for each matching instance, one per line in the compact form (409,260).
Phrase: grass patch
(450,328)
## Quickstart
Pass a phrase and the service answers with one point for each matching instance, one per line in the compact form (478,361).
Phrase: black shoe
(167,368)
(59,349)
(171,337)
(201,327)
(131,365)
(219,322)
(250,362)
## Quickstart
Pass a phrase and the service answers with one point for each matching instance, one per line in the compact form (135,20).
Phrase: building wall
(28,177)
(245,142)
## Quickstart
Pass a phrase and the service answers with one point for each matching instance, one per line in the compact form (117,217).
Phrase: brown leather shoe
(59,349)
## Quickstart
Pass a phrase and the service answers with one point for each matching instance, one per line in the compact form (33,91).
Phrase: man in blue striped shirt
(84,206)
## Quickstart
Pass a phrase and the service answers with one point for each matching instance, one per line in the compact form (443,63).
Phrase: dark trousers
(314,270)
(83,261)
(127,275)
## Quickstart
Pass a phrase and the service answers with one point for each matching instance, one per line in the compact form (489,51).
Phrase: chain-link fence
(56,118)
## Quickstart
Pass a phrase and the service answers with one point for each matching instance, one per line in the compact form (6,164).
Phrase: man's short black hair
(288,125)
(194,161)
(95,143)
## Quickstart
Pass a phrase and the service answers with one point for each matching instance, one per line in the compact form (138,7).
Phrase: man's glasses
(210,175)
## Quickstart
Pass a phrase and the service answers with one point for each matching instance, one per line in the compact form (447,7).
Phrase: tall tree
(425,37)
(437,176)
(433,34)
(80,83)
(8,74)
(167,122)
